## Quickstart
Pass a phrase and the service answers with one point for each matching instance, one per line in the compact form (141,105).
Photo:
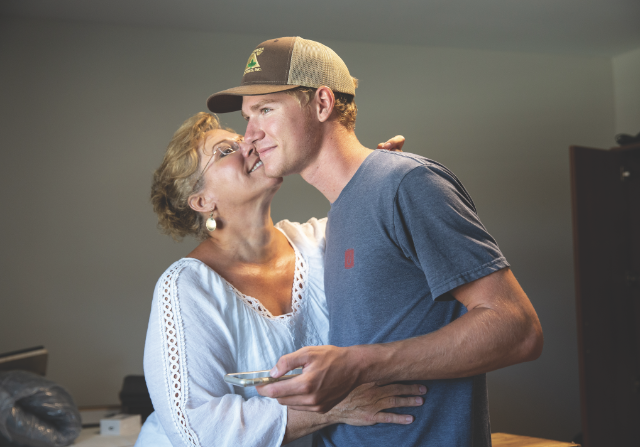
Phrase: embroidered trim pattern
(173,350)
(297,292)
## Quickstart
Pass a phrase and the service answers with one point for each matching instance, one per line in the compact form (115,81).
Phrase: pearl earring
(211,223)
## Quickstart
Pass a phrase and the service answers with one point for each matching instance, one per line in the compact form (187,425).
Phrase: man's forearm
(500,328)
(451,352)
(486,338)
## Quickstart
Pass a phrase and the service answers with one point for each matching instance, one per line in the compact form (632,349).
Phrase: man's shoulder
(414,176)
(398,162)
(404,160)
(395,166)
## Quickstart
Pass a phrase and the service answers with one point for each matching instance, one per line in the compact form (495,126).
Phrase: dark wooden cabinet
(606,232)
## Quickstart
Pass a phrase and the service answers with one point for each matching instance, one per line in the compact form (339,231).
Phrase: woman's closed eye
(224,151)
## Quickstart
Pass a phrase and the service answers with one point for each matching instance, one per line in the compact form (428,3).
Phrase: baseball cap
(283,64)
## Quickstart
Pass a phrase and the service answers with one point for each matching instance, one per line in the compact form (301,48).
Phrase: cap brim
(230,100)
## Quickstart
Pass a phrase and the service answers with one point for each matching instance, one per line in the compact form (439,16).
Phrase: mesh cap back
(314,64)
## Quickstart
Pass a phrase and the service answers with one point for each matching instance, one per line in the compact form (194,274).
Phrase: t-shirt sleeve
(436,226)
(189,348)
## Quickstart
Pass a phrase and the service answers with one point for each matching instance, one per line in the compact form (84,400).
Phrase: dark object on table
(135,397)
(30,359)
(36,412)
(624,140)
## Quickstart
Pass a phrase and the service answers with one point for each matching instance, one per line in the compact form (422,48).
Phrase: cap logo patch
(252,63)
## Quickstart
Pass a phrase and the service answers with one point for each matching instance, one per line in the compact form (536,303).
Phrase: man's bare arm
(501,328)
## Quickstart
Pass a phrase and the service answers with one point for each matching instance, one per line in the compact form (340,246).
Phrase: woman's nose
(246,148)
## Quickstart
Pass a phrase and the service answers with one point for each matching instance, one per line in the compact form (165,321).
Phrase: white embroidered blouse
(201,328)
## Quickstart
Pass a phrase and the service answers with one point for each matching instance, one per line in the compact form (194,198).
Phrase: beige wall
(626,81)
(86,111)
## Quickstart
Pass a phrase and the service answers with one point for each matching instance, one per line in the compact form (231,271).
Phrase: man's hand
(328,376)
(394,144)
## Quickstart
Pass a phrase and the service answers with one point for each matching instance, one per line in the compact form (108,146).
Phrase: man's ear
(324,102)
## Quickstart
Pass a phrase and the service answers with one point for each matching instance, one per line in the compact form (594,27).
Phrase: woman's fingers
(399,401)
(367,403)
(392,418)
(393,144)
(399,389)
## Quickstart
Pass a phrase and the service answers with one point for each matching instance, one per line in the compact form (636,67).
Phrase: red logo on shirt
(348,258)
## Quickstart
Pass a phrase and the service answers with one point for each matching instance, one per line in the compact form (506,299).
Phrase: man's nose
(253,132)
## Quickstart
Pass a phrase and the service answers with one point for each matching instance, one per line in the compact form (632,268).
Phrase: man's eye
(266,110)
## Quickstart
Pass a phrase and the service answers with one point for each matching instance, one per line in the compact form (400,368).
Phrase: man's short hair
(344,107)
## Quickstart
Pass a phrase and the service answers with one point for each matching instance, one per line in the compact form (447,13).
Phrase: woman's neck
(250,253)
(243,237)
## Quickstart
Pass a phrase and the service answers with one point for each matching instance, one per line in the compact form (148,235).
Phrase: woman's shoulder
(310,234)
(182,267)
(191,279)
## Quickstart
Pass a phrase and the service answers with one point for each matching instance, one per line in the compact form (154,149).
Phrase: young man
(416,287)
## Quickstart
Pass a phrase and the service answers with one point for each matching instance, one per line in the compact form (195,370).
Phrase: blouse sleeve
(308,236)
(188,350)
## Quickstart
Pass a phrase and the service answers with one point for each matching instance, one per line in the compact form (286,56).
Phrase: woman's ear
(201,204)
(324,102)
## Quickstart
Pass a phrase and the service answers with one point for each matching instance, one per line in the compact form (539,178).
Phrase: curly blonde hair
(176,179)
(344,106)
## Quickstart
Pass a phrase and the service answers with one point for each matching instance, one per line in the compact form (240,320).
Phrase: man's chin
(271,171)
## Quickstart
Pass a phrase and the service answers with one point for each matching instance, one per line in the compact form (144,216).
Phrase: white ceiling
(590,27)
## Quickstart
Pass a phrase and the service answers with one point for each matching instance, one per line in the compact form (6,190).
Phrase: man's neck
(339,157)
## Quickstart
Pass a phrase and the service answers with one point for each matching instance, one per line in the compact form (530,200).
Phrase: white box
(121,425)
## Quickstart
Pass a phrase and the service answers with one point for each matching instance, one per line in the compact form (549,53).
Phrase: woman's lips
(256,166)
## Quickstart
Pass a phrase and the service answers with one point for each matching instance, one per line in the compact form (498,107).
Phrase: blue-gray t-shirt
(402,234)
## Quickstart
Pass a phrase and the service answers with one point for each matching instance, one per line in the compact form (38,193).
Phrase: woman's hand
(394,144)
(365,405)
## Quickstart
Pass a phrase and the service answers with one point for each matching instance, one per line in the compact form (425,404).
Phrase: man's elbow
(532,341)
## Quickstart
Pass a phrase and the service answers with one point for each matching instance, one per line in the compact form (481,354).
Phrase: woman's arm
(192,342)
(365,405)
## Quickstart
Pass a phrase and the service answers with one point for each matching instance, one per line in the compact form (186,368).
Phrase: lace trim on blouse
(297,292)
(175,360)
